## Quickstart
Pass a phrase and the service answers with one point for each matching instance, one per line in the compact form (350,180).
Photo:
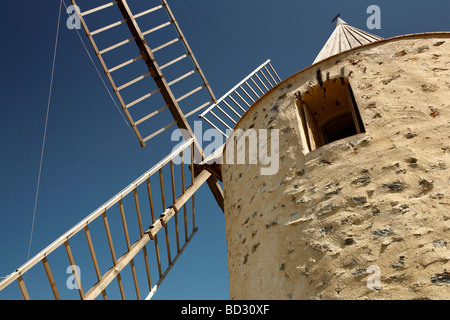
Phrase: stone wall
(377,201)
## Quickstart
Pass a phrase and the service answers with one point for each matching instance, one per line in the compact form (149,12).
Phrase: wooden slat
(150,295)
(51,280)
(183,186)
(243,100)
(143,13)
(113,253)
(173,61)
(72,263)
(127,240)
(148,95)
(154,134)
(190,93)
(182,77)
(251,89)
(273,70)
(215,127)
(232,109)
(109,4)
(165,45)
(265,77)
(264,85)
(256,85)
(119,44)
(192,185)
(271,76)
(236,103)
(198,109)
(94,258)
(124,64)
(112,25)
(157,28)
(141,233)
(23,288)
(155,239)
(174,197)
(246,93)
(133,81)
(163,200)
(154,113)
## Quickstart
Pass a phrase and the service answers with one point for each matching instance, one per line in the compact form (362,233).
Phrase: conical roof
(343,38)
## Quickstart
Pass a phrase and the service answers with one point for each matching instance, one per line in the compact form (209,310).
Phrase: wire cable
(99,74)
(45,132)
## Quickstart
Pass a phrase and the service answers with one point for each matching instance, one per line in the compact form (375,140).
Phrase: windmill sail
(140,109)
(163,85)
(174,219)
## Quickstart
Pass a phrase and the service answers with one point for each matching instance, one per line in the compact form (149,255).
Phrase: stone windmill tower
(357,181)
(359,206)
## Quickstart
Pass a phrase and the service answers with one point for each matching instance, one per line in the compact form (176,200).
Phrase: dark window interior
(329,113)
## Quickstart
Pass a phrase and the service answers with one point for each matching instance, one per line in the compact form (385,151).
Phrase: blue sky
(91,154)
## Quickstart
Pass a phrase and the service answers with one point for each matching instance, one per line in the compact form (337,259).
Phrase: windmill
(176,79)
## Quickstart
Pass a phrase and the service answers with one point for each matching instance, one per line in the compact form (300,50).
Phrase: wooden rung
(151,114)
(271,76)
(243,100)
(234,111)
(23,289)
(256,75)
(221,121)
(141,233)
(251,89)
(163,199)
(112,25)
(124,64)
(236,103)
(127,241)
(150,198)
(133,81)
(190,93)
(256,85)
(246,93)
(143,13)
(121,43)
(72,263)
(157,28)
(183,186)
(215,127)
(148,95)
(165,44)
(173,61)
(182,77)
(159,131)
(198,109)
(174,197)
(226,114)
(113,253)
(51,280)
(270,83)
(276,74)
(94,258)
(109,4)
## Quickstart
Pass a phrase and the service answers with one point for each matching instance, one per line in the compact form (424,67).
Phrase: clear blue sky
(91,154)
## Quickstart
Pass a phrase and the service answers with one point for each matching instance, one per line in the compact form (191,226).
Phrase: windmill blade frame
(163,86)
(168,215)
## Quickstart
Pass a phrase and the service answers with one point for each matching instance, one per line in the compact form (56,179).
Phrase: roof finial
(335,18)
